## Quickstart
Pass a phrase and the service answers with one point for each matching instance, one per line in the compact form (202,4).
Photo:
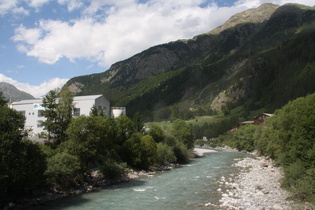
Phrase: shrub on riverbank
(289,139)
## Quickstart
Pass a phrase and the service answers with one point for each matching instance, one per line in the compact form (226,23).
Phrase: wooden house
(261,118)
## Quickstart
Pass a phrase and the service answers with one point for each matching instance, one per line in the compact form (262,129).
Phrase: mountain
(10,92)
(259,59)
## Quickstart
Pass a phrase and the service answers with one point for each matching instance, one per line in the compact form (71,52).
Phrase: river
(187,187)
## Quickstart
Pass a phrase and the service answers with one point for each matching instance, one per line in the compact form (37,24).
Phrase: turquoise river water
(187,187)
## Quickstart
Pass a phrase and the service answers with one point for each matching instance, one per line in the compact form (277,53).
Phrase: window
(22,112)
(40,113)
(76,112)
(39,123)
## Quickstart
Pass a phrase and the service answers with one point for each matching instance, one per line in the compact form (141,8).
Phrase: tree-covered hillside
(261,59)
(287,138)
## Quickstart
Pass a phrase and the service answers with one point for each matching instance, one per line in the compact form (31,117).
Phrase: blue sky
(43,43)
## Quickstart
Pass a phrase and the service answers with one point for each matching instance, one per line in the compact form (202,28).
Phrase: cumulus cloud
(36,91)
(36,3)
(111,30)
(122,32)
(7,6)
(71,4)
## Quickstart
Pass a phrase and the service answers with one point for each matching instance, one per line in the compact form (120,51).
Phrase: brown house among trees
(261,118)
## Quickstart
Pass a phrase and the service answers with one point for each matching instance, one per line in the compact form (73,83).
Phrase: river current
(187,187)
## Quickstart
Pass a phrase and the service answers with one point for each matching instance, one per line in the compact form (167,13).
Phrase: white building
(31,109)
(117,111)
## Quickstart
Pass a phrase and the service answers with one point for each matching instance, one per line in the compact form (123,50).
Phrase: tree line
(289,139)
(77,146)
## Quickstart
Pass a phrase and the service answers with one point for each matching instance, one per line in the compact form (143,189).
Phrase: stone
(259,193)
(265,191)
(277,207)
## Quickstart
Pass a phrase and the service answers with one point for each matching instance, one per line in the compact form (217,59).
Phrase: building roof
(29,101)
(40,100)
(247,122)
(266,114)
(88,97)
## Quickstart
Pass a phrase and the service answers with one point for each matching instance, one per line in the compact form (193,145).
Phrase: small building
(261,118)
(246,123)
(117,111)
(32,108)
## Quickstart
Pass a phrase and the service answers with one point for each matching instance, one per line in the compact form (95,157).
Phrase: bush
(164,154)
(288,138)
(63,169)
(140,151)
(179,148)
(112,170)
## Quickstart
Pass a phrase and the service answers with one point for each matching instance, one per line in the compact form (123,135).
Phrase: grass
(199,120)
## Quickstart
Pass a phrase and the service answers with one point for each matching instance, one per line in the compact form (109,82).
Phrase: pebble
(256,187)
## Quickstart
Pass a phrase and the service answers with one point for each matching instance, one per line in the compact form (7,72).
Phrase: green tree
(50,112)
(22,163)
(58,113)
(138,123)
(157,133)
(139,151)
(94,111)
(2,99)
(182,131)
(91,139)
(125,128)
(164,154)
(64,113)
(179,149)
(242,139)
(288,137)
(63,169)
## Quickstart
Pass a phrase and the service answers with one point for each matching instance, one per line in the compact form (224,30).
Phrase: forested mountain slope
(260,58)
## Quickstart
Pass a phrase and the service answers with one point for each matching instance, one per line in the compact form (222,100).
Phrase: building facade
(31,109)
(261,118)
(117,111)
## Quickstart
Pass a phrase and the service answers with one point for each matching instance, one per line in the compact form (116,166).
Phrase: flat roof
(88,97)
(40,100)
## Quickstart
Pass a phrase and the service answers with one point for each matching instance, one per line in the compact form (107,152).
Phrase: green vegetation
(22,163)
(79,146)
(58,114)
(259,66)
(288,138)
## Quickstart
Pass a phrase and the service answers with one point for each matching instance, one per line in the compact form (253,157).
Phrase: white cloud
(123,32)
(18,6)
(36,91)
(11,6)
(111,30)
(71,4)
(36,3)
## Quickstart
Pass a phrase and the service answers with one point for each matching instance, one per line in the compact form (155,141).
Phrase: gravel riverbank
(256,187)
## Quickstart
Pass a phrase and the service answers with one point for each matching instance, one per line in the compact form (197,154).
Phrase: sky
(44,43)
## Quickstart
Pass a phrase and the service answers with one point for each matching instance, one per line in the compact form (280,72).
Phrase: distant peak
(255,15)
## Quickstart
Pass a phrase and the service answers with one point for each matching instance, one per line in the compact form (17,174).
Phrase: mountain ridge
(210,71)
(10,92)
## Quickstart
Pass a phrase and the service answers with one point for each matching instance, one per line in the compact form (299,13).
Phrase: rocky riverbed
(256,187)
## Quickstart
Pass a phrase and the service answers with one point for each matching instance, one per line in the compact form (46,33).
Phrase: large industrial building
(31,109)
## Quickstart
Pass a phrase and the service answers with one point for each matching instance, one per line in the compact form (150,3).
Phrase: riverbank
(95,181)
(257,186)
